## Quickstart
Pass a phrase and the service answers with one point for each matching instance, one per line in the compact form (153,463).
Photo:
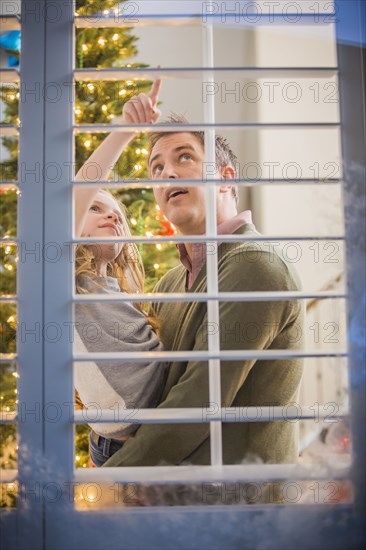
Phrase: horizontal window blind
(46,370)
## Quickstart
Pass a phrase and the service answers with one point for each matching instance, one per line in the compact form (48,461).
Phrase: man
(242,266)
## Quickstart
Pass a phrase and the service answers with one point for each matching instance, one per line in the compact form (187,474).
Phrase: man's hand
(141,108)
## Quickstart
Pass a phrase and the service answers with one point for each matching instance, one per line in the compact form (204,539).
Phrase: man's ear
(227,173)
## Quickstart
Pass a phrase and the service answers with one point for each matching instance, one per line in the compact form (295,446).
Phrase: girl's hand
(141,108)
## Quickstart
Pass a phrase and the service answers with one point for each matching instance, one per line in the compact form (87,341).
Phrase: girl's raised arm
(140,109)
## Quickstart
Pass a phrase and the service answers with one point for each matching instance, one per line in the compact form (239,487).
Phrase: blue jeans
(104,449)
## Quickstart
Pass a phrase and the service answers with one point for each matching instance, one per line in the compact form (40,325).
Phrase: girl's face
(104,219)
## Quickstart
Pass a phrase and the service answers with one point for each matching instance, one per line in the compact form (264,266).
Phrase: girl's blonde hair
(127,267)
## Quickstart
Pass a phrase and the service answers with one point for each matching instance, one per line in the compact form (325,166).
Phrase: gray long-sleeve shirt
(115,327)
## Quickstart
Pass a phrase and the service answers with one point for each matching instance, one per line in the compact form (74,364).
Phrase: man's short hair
(224,156)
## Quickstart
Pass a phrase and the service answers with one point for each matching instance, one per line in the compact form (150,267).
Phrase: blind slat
(8,476)
(231,355)
(8,298)
(9,23)
(201,474)
(270,296)
(8,357)
(152,73)
(227,20)
(8,130)
(142,184)
(99,128)
(9,185)
(207,238)
(7,417)
(211,413)
(9,75)
(8,240)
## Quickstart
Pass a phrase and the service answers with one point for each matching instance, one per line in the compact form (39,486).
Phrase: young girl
(118,326)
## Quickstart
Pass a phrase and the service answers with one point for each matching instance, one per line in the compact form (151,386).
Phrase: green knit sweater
(245,266)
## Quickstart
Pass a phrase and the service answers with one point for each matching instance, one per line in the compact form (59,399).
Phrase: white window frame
(46,453)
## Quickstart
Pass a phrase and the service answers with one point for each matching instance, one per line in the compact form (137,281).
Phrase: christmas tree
(95,102)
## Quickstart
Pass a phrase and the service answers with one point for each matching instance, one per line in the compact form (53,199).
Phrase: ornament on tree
(167,228)
(10,43)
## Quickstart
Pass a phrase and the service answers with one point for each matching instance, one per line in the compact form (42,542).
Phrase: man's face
(180,156)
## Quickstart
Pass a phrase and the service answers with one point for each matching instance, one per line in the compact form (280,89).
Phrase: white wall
(307,210)
(182,47)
